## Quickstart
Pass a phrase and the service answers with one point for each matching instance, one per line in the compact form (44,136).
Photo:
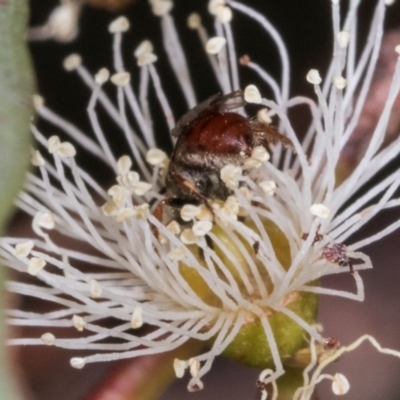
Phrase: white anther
(44,219)
(194,21)
(38,101)
(320,210)
(77,362)
(142,211)
(314,77)
(339,82)
(213,6)
(252,94)
(130,180)
(121,78)
(174,228)
(95,289)
(137,318)
(343,38)
(201,228)
(124,164)
(78,322)
(205,214)
(230,175)
(397,49)
(119,194)
(246,193)
(194,367)
(179,367)
(231,206)
(48,338)
(141,188)
(260,153)
(37,160)
(155,157)
(109,209)
(146,59)
(215,45)
(224,14)
(72,62)
(102,76)
(188,237)
(188,212)
(263,116)
(35,265)
(63,21)
(268,187)
(335,2)
(144,47)
(177,254)
(66,149)
(340,385)
(124,214)
(53,144)
(161,7)
(23,249)
(389,2)
(121,24)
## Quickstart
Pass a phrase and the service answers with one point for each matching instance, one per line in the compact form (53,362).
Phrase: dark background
(306,29)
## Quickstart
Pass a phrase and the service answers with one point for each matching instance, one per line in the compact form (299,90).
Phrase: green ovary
(250,346)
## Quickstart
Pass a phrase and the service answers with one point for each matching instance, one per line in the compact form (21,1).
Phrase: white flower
(135,277)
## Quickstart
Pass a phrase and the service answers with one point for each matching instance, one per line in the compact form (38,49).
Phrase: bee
(210,136)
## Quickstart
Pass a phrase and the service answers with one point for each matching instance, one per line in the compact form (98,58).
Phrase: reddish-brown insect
(209,137)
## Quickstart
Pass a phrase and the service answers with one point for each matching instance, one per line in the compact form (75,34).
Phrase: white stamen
(201,228)
(188,237)
(119,25)
(38,101)
(102,76)
(161,7)
(177,254)
(137,318)
(224,14)
(77,362)
(44,220)
(343,38)
(264,117)
(37,159)
(146,59)
(66,149)
(213,6)
(35,265)
(268,187)
(156,157)
(109,209)
(230,175)
(194,21)
(121,78)
(340,385)
(124,165)
(23,249)
(179,367)
(95,289)
(48,339)
(141,188)
(314,77)
(126,213)
(320,210)
(188,212)
(144,47)
(174,228)
(78,322)
(339,82)
(215,45)
(53,144)
(252,94)
(72,62)
(397,49)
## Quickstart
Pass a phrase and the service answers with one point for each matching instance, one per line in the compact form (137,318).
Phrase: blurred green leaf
(16,89)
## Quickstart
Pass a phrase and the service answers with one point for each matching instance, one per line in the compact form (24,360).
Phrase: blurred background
(45,372)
